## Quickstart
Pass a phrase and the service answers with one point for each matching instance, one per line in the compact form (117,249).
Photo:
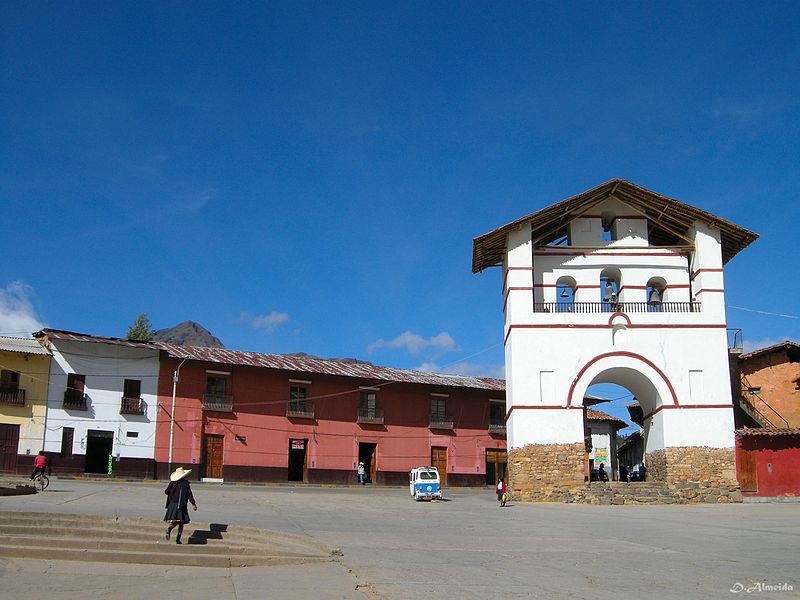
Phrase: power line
(764,312)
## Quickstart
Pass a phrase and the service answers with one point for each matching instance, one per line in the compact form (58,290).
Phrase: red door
(9,447)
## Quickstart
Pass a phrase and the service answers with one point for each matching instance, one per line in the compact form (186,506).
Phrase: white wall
(653,354)
(105,366)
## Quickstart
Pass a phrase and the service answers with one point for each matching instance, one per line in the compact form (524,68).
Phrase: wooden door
(213,457)
(495,465)
(9,447)
(439,460)
(748,475)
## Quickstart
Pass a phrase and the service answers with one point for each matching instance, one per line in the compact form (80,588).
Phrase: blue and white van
(425,484)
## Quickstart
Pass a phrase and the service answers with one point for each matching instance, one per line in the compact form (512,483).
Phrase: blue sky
(309,176)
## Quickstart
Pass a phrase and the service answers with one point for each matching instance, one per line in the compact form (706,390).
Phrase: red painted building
(768,461)
(243,416)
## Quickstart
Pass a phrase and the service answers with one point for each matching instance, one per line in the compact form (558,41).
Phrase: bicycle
(41,481)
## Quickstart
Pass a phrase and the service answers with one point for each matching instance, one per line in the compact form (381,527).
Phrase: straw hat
(179,473)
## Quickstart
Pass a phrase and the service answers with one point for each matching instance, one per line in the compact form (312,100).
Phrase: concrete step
(95,538)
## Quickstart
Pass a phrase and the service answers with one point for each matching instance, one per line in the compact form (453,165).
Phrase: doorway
(366,454)
(496,461)
(297,460)
(213,456)
(439,460)
(99,447)
(9,446)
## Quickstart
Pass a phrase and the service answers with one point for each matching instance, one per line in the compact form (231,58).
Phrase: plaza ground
(465,547)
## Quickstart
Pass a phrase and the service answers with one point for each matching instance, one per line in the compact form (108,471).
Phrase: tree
(141,330)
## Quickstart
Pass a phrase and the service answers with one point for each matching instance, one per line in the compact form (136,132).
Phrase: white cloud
(413,343)
(750,345)
(17,315)
(268,322)
(467,369)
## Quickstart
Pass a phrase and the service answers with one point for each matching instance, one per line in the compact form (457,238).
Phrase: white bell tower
(616,285)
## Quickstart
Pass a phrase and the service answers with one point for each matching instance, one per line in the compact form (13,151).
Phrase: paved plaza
(464,547)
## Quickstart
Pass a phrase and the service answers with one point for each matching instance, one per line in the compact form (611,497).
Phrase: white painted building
(101,403)
(616,285)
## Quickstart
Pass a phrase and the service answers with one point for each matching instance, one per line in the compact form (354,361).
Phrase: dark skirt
(174,513)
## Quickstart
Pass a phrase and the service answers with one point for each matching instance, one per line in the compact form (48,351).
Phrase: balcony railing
(497,428)
(301,409)
(12,396)
(131,406)
(609,307)
(217,402)
(440,421)
(74,399)
(370,416)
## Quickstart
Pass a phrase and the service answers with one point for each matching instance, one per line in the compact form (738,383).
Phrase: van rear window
(427,475)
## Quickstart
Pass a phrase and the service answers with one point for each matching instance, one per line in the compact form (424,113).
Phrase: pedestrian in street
(362,479)
(601,473)
(179,495)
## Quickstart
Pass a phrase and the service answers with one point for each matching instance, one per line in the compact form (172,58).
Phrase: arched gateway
(645,310)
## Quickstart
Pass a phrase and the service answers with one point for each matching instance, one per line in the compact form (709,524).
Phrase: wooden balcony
(217,403)
(439,421)
(12,396)
(370,416)
(300,409)
(131,406)
(497,428)
(74,399)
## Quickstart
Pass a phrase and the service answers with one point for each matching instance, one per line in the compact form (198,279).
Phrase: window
(366,404)
(67,434)
(9,380)
(216,387)
(297,398)
(75,394)
(132,434)
(438,407)
(76,382)
(496,414)
(132,388)
(754,391)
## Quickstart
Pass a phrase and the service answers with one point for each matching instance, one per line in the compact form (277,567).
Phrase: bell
(609,292)
(655,295)
(564,293)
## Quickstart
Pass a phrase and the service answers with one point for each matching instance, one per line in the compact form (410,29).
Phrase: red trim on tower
(698,292)
(709,270)
(505,275)
(627,355)
(663,406)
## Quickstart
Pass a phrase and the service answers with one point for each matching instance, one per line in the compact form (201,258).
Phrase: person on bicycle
(501,489)
(39,464)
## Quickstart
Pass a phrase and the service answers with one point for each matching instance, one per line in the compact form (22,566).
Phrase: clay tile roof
(22,345)
(598,415)
(489,248)
(788,345)
(769,431)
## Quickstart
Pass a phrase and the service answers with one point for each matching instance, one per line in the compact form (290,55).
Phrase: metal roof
(289,363)
(60,334)
(22,345)
(328,367)
(665,214)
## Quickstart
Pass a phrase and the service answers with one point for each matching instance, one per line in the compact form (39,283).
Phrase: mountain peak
(188,333)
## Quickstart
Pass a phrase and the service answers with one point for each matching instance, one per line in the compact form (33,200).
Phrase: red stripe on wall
(663,406)
(698,292)
(709,270)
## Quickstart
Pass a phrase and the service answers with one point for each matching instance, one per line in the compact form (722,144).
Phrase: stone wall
(711,467)
(545,472)
(555,473)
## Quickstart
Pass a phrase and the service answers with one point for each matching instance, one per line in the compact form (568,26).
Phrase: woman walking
(179,494)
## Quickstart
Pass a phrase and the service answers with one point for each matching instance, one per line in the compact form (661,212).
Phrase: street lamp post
(175,379)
